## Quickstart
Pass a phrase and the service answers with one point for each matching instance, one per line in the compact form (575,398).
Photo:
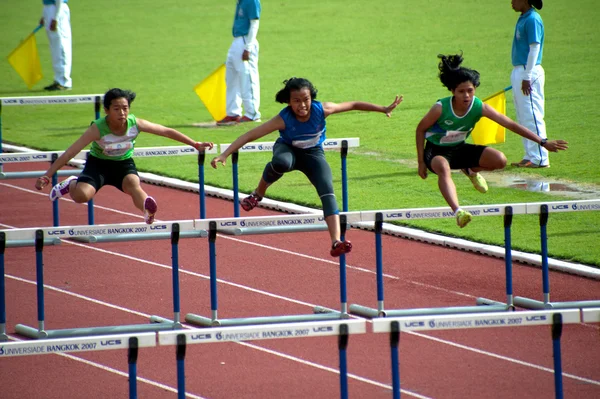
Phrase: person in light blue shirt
(528,80)
(302,129)
(57,20)
(241,73)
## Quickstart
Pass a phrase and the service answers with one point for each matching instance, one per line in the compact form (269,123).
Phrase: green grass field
(351,50)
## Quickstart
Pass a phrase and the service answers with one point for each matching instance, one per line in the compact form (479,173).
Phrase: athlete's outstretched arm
(272,125)
(333,108)
(91,134)
(503,120)
(160,130)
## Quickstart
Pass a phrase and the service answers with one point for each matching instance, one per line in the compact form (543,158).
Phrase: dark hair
(537,4)
(452,74)
(115,93)
(283,95)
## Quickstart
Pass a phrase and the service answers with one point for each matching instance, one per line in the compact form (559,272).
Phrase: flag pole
(37,28)
(498,92)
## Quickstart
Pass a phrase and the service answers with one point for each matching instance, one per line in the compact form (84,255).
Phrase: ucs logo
(111,342)
(536,318)
(414,324)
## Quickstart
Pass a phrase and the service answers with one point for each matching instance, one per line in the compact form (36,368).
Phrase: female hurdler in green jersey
(448,124)
(110,159)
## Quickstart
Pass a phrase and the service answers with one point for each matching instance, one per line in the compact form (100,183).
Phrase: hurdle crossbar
(250,333)
(318,314)
(507,211)
(555,318)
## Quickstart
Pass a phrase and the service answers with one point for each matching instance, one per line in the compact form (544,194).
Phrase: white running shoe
(150,208)
(61,188)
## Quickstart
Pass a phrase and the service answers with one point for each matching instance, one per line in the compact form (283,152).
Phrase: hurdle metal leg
(132,355)
(180,357)
(3,336)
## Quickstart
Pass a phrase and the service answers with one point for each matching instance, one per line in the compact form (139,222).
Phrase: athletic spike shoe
(340,247)
(463,218)
(61,188)
(150,208)
(251,202)
(478,181)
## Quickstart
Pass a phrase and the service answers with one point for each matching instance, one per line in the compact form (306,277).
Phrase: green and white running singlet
(450,129)
(114,147)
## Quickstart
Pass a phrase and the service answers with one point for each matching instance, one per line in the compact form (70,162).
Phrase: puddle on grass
(545,186)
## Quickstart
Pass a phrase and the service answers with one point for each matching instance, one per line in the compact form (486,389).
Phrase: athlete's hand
(220,159)
(200,145)
(556,145)
(246,55)
(422,170)
(42,21)
(53,25)
(42,182)
(392,106)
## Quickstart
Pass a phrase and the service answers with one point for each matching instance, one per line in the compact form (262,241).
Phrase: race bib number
(453,136)
(117,149)
(306,143)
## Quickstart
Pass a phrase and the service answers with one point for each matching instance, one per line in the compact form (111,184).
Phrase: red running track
(124,283)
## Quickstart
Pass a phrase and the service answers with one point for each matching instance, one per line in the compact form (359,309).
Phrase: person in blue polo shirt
(241,74)
(527,79)
(57,20)
(302,128)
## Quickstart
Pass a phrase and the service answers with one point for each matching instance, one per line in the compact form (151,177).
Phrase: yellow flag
(212,93)
(26,61)
(487,131)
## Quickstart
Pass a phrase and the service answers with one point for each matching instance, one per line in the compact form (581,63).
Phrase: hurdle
(276,224)
(86,344)
(544,209)
(250,333)
(46,100)
(99,233)
(51,156)
(555,318)
(328,144)
(505,210)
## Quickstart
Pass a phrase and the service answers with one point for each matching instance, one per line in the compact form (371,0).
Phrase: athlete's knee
(330,206)
(80,196)
(275,169)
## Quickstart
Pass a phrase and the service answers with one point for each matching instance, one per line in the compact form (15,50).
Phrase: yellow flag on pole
(487,131)
(26,61)
(212,93)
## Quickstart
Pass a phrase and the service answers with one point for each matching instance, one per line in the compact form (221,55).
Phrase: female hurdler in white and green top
(110,160)
(449,123)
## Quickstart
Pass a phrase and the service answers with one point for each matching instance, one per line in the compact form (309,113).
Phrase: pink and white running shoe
(150,208)
(61,188)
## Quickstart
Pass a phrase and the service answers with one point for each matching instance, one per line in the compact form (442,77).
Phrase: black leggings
(311,162)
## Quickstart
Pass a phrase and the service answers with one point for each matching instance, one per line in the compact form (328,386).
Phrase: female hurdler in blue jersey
(301,127)
(110,159)
(448,124)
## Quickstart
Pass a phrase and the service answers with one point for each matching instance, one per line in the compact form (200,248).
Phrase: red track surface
(124,283)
